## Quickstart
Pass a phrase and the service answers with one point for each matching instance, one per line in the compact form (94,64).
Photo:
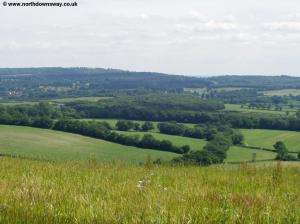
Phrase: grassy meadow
(240,154)
(88,192)
(53,145)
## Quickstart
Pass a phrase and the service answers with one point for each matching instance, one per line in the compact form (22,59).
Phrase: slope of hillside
(48,144)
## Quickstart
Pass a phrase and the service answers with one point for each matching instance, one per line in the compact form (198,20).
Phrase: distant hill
(55,82)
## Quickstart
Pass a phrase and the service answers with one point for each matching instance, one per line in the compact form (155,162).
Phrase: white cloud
(208,26)
(285,26)
(172,36)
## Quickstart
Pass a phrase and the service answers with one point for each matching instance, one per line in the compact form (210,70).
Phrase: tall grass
(57,192)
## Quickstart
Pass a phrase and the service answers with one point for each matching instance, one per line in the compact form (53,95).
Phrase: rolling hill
(54,145)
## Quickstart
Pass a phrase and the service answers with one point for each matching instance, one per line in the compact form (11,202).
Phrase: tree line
(150,113)
(101,130)
(206,132)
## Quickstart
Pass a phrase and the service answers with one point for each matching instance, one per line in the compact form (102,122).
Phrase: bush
(186,149)
(124,125)
(203,158)
(43,122)
(147,126)
(282,152)
(171,128)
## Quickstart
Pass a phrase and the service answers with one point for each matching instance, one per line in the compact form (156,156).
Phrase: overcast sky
(190,37)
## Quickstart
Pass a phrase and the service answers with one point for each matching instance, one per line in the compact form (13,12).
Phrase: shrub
(147,126)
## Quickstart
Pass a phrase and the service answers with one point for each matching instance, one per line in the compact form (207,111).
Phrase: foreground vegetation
(72,192)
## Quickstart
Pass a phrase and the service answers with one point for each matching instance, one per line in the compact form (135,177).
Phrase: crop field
(53,145)
(267,138)
(88,192)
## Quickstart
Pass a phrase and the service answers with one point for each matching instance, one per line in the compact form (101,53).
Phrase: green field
(240,154)
(71,192)
(283,92)
(267,138)
(53,145)
(238,108)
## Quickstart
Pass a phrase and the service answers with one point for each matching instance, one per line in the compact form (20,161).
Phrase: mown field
(267,138)
(54,145)
(88,192)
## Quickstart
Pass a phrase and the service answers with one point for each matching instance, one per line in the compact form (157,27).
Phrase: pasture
(267,138)
(240,154)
